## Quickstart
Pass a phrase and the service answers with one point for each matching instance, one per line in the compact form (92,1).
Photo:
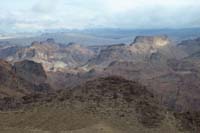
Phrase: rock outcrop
(158,41)
(21,79)
(30,71)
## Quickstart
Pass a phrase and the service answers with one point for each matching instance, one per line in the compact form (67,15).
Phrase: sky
(34,15)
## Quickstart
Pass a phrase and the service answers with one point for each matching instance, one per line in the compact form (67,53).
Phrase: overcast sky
(28,15)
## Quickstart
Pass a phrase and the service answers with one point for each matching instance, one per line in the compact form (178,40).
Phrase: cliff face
(152,40)
(21,79)
(30,71)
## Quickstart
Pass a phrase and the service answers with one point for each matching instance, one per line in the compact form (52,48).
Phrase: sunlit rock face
(156,46)
(149,44)
(152,40)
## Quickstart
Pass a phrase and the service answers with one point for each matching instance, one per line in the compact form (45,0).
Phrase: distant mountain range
(97,36)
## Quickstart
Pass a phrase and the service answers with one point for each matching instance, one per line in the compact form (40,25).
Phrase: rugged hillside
(190,46)
(111,104)
(15,81)
(139,71)
(30,71)
(144,48)
(157,63)
(179,88)
(113,94)
(176,82)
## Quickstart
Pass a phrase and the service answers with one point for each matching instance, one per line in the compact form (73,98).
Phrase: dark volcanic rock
(24,78)
(30,71)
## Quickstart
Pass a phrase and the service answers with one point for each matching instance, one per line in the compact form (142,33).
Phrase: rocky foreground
(103,105)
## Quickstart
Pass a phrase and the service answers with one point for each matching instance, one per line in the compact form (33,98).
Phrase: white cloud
(42,14)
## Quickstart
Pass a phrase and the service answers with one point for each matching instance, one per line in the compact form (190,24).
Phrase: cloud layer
(33,15)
